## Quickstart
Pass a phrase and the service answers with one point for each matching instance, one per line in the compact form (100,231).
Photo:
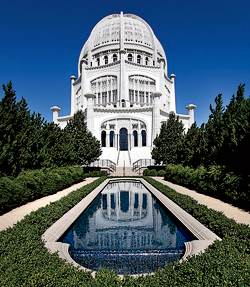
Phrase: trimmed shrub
(161,172)
(152,172)
(146,172)
(24,261)
(214,182)
(34,184)
(103,173)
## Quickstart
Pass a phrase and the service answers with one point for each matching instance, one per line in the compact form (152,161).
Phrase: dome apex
(122,32)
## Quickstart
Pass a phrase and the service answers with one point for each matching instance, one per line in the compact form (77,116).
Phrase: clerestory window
(106,60)
(130,58)
(138,59)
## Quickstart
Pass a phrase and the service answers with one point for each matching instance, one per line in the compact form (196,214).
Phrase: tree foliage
(85,146)
(168,141)
(27,141)
(224,139)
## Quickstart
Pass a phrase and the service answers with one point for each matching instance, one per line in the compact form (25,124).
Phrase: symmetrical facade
(123,87)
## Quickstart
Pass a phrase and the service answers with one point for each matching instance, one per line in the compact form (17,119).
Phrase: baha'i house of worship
(123,88)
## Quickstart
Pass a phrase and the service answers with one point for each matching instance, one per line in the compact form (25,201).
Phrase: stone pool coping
(204,236)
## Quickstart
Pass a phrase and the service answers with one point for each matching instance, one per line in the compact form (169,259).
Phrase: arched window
(123,103)
(111,139)
(130,58)
(138,59)
(114,58)
(103,139)
(123,139)
(135,138)
(106,60)
(98,61)
(146,61)
(143,135)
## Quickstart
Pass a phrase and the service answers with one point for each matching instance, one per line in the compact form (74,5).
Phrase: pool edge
(205,237)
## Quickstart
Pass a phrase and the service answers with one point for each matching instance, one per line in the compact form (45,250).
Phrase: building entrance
(123,139)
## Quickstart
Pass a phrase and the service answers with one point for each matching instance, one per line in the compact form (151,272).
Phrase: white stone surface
(123,83)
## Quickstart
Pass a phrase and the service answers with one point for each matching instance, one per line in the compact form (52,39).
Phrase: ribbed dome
(136,30)
(127,31)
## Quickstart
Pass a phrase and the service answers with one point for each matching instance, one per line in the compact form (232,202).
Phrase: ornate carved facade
(123,87)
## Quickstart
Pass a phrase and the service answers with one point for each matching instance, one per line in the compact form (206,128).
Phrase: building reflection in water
(124,219)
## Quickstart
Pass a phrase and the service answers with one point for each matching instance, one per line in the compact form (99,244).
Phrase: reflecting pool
(127,230)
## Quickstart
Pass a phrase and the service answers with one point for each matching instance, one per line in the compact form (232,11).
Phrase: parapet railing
(144,162)
(104,163)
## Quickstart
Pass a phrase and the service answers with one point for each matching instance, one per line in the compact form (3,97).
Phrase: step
(120,172)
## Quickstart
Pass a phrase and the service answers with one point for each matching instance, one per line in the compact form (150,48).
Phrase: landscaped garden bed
(25,261)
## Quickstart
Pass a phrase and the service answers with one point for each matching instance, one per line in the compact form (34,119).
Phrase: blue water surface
(127,230)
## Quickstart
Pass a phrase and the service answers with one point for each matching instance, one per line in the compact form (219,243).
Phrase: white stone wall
(111,52)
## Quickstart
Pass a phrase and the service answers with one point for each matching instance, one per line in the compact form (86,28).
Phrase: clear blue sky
(207,44)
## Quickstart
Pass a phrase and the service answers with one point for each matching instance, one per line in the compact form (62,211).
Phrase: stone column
(191,108)
(90,112)
(107,138)
(162,80)
(73,98)
(55,111)
(156,115)
(84,85)
(121,95)
(172,99)
(139,139)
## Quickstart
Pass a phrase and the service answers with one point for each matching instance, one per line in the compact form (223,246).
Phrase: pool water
(127,230)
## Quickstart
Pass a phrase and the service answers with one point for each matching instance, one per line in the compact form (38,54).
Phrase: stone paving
(17,214)
(230,211)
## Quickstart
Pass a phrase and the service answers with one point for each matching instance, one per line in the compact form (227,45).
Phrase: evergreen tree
(214,132)
(15,132)
(189,147)
(236,119)
(55,147)
(86,147)
(26,140)
(168,142)
(200,152)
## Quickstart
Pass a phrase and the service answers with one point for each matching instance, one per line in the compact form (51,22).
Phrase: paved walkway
(230,211)
(10,218)
(17,214)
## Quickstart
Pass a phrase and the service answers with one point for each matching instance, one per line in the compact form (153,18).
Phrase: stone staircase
(120,171)
(124,159)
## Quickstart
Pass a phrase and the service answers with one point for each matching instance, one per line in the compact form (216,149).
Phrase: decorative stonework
(123,82)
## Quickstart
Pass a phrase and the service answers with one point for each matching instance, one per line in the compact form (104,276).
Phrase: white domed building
(123,88)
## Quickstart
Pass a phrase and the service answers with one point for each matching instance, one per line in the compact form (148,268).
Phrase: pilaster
(90,112)
(83,82)
(156,115)
(172,101)
(73,97)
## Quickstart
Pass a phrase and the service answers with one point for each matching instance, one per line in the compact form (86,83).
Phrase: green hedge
(214,181)
(153,172)
(97,173)
(34,184)
(24,261)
